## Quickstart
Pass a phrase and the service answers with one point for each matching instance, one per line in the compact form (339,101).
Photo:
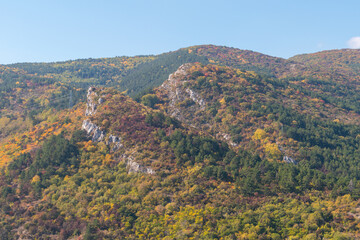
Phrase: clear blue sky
(56,30)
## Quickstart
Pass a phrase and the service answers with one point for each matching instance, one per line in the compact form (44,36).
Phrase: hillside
(27,99)
(221,99)
(245,60)
(345,61)
(142,174)
(131,74)
(233,144)
(263,64)
(261,115)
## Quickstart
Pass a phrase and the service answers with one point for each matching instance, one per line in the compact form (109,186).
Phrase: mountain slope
(131,74)
(247,147)
(27,99)
(245,59)
(146,175)
(263,116)
(344,61)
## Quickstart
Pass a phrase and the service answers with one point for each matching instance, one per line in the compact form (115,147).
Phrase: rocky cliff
(180,95)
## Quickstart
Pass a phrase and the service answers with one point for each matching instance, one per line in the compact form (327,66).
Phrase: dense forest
(233,144)
(131,74)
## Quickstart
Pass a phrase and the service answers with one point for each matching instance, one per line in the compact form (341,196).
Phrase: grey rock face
(116,141)
(196,98)
(289,160)
(176,93)
(91,129)
(134,167)
(94,131)
(90,104)
(227,138)
(101,100)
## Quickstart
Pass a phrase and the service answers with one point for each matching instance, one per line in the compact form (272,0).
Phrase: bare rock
(90,103)
(174,87)
(196,98)
(135,167)
(94,131)
(289,160)
(116,141)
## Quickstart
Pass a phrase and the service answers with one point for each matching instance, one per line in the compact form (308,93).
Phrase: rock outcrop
(286,158)
(289,160)
(90,103)
(196,98)
(134,167)
(94,131)
(98,135)
(174,88)
(226,137)
(116,142)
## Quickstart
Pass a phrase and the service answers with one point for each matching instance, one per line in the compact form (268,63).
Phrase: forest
(233,145)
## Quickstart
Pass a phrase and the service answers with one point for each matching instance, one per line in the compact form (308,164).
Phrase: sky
(58,30)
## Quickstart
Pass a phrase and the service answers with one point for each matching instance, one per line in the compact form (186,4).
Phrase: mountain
(345,61)
(226,144)
(232,104)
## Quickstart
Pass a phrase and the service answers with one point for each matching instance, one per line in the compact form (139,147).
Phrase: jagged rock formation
(94,131)
(90,104)
(196,98)
(134,167)
(174,88)
(177,93)
(116,141)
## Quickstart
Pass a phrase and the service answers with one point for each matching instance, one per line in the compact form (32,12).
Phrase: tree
(149,100)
